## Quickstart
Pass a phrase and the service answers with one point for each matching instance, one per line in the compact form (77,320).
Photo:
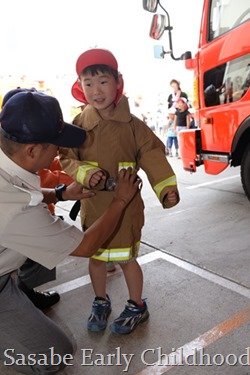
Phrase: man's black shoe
(42,300)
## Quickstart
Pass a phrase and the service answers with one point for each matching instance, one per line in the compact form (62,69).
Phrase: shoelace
(130,311)
(99,307)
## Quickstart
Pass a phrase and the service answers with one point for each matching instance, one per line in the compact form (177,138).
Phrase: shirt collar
(30,179)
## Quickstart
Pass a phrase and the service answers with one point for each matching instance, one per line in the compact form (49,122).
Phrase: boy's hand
(127,186)
(172,197)
(96,178)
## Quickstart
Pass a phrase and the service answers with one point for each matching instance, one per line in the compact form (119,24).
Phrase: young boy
(115,139)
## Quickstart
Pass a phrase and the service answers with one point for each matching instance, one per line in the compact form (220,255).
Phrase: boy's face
(100,90)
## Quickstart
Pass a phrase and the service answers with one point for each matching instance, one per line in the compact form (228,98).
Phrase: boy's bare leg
(134,279)
(98,276)
(101,307)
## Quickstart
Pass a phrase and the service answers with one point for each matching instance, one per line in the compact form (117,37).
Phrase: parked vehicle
(221,87)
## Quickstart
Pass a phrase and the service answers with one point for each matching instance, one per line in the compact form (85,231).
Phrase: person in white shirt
(32,129)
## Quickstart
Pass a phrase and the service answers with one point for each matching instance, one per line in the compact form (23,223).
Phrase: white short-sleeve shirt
(27,229)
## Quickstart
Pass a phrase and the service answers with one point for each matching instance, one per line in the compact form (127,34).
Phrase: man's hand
(127,186)
(76,191)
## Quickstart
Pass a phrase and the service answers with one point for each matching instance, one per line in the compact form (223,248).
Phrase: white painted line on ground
(211,182)
(219,280)
(155,255)
(85,280)
(73,284)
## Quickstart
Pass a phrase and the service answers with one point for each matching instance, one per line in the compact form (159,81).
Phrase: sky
(43,39)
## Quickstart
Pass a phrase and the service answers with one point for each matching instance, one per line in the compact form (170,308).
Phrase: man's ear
(30,150)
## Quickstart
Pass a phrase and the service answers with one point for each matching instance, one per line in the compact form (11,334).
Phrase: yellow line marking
(200,342)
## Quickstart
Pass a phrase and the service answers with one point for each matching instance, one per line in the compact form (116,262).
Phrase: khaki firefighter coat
(110,145)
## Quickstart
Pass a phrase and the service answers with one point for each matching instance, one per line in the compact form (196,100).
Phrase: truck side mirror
(150,5)
(159,52)
(158,26)
(186,55)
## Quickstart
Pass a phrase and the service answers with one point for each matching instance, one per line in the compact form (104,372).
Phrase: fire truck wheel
(245,172)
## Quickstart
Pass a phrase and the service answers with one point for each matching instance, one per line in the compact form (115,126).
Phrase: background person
(32,129)
(176,94)
(172,138)
(182,117)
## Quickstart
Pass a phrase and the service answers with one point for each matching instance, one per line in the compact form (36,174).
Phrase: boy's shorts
(120,255)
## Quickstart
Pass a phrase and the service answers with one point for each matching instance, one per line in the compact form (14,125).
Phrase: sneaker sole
(97,328)
(114,329)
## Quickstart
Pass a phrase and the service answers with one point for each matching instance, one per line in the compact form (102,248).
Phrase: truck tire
(245,172)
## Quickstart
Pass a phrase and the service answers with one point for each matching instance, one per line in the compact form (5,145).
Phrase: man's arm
(74,191)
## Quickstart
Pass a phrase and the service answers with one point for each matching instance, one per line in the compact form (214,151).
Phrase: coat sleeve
(152,159)
(79,170)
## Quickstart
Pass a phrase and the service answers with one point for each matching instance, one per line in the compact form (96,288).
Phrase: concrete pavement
(195,261)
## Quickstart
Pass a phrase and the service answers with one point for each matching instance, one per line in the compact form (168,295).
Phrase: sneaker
(101,310)
(177,155)
(170,155)
(129,319)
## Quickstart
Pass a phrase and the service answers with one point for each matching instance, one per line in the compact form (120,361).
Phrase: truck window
(228,82)
(226,15)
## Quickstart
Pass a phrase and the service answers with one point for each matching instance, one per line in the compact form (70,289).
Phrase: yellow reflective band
(94,163)
(171,181)
(83,169)
(117,255)
(126,165)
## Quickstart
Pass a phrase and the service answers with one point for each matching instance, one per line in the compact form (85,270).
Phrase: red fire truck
(221,87)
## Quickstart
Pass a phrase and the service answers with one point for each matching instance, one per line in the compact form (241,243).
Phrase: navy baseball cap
(10,93)
(31,116)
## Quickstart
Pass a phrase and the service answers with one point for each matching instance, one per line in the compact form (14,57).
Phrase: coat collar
(91,118)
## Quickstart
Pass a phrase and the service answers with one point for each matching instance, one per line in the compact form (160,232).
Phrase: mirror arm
(169,29)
